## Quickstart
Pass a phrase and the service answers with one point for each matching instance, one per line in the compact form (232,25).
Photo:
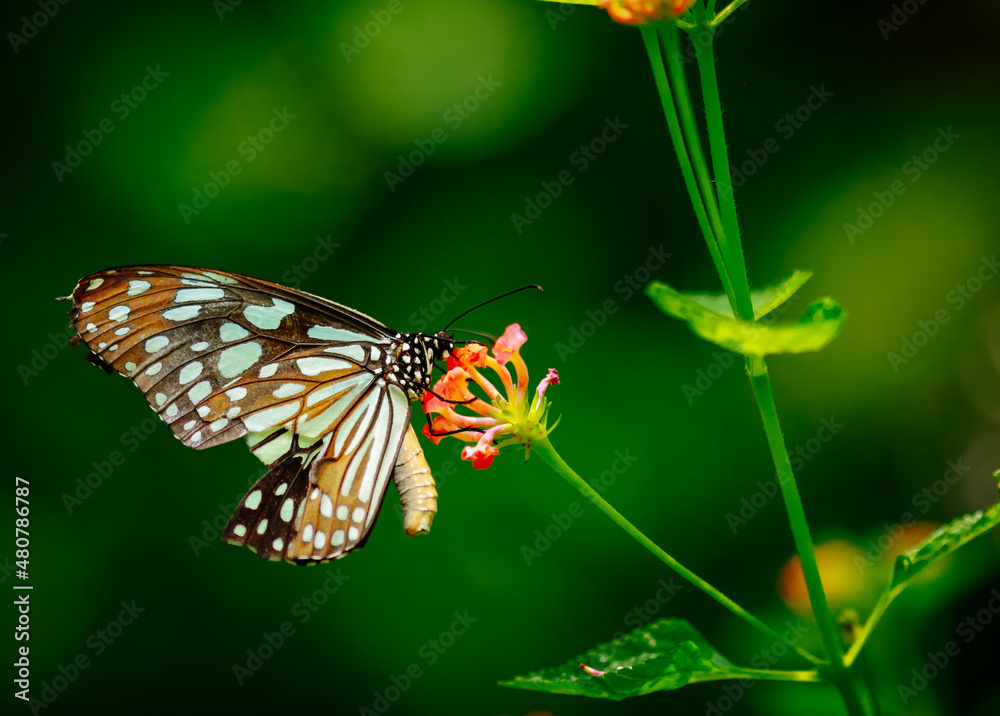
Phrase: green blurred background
(549,77)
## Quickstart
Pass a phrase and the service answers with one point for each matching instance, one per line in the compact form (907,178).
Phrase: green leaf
(819,325)
(575,2)
(942,542)
(764,300)
(664,655)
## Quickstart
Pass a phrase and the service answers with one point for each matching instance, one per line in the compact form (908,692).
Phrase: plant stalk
(544,449)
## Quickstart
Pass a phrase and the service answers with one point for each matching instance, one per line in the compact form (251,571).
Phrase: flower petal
(510,342)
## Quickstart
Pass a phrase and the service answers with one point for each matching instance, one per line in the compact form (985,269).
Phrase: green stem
(730,240)
(726,12)
(840,674)
(543,448)
(685,112)
(652,42)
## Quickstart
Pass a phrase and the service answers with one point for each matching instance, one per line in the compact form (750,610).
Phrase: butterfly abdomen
(415,485)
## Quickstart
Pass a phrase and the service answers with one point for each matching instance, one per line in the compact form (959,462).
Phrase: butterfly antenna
(497,298)
(484,334)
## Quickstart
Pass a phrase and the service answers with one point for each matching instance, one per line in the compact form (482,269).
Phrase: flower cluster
(643,12)
(507,419)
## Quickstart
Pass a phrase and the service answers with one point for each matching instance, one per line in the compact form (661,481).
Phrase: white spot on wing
(307,533)
(338,538)
(237,359)
(320,541)
(232,332)
(220,278)
(253,500)
(238,393)
(200,346)
(342,512)
(353,534)
(271,417)
(329,333)
(119,313)
(355,353)
(184,313)
(262,527)
(314,365)
(287,390)
(199,392)
(154,369)
(268,370)
(326,506)
(239,530)
(287,508)
(190,372)
(137,287)
(268,317)
(199,294)
(156,343)
(94,283)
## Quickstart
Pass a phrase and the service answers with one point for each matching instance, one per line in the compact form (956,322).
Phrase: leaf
(942,542)
(819,325)
(664,655)
(575,2)
(764,300)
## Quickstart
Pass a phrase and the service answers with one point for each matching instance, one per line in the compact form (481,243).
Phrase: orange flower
(642,12)
(507,417)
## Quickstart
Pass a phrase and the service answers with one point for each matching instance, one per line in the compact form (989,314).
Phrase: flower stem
(652,42)
(725,12)
(839,673)
(544,449)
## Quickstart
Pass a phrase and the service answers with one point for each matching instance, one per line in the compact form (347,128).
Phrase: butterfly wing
(221,356)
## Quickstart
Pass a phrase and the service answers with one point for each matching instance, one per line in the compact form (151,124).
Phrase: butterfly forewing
(310,383)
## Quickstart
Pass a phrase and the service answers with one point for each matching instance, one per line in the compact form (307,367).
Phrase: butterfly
(320,392)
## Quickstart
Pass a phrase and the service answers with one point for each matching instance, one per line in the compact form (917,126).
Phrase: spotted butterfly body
(320,392)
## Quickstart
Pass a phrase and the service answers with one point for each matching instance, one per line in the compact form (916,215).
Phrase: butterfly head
(418,352)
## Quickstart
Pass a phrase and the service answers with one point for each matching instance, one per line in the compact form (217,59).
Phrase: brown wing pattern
(221,356)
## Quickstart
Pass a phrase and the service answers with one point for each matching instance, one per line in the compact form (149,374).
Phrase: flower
(507,418)
(642,12)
